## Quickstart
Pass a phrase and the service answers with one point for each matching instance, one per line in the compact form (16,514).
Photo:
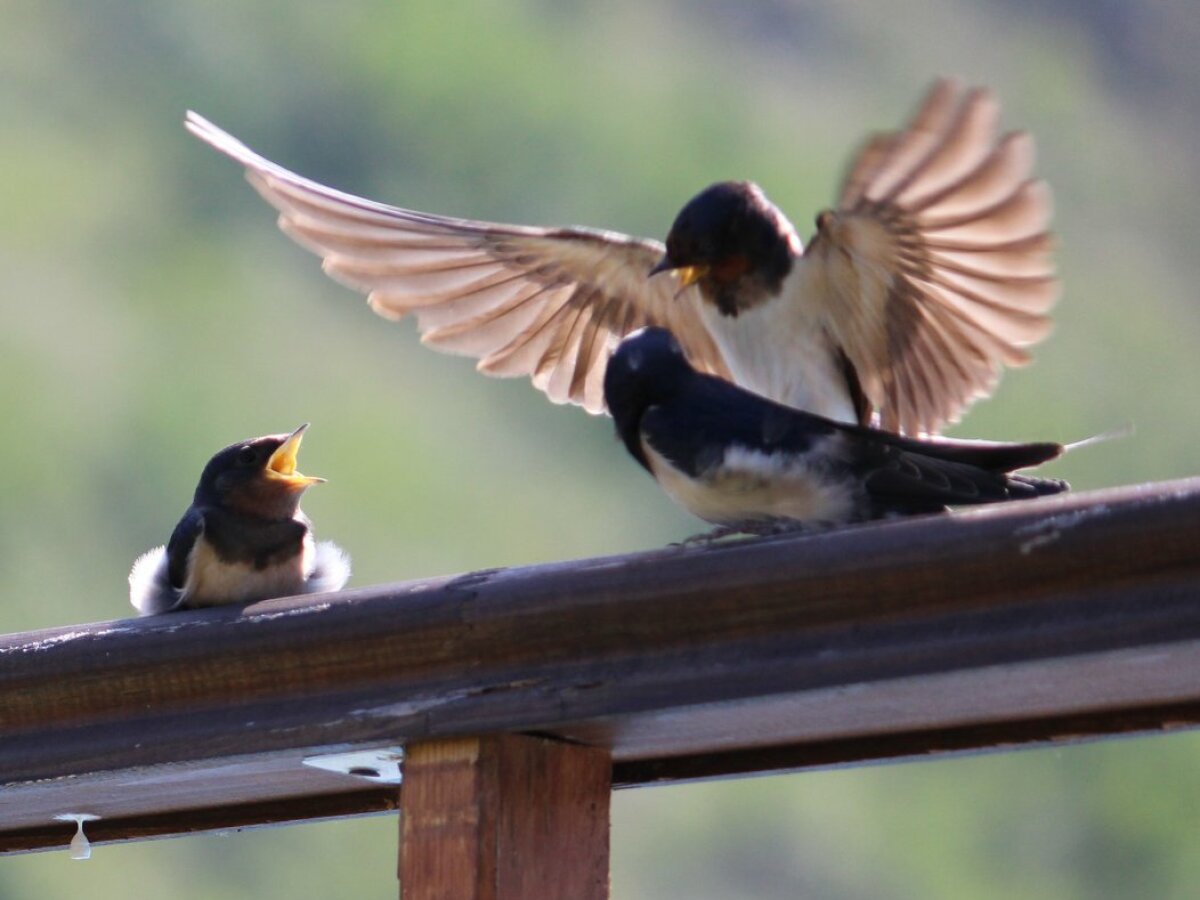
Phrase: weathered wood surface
(1056,619)
(505,817)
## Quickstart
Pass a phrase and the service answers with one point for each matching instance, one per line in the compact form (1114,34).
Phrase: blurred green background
(152,313)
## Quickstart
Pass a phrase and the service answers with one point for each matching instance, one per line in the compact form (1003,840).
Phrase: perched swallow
(749,464)
(243,538)
(931,274)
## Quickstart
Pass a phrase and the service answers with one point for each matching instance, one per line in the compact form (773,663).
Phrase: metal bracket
(381,765)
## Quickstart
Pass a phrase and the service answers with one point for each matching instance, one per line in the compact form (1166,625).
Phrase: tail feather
(1006,457)
(150,588)
(331,569)
(994,456)
(913,482)
(1115,434)
(1021,487)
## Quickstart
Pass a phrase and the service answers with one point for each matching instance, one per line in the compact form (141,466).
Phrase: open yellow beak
(282,464)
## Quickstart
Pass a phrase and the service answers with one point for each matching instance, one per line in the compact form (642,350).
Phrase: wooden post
(505,817)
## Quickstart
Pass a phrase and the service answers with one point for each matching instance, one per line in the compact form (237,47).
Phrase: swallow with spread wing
(243,538)
(932,273)
(749,464)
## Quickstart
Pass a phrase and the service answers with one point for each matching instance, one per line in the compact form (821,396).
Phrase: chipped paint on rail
(1048,530)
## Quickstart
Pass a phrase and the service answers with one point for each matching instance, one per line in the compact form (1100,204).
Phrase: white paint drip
(81,848)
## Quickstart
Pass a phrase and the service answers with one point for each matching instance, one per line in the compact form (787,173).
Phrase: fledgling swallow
(243,538)
(932,273)
(749,464)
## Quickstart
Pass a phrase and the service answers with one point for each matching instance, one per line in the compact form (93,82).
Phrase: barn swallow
(930,275)
(243,538)
(746,463)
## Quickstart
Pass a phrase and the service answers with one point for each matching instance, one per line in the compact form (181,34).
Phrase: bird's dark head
(647,368)
(256,477)
(734,243)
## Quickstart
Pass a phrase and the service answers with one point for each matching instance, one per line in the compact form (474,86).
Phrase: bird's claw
(705,538)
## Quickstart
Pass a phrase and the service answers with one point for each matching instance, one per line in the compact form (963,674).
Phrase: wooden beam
(506,817)
(210,820)
(1056,619)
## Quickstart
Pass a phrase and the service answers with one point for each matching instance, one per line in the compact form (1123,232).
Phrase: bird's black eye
(247,456)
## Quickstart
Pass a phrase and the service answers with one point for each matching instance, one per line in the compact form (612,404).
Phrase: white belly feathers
(798,368)
(751,486)
(212,581)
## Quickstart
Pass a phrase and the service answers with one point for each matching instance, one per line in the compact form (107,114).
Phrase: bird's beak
(282,464)
(685,275)
(663,265)
(689,275)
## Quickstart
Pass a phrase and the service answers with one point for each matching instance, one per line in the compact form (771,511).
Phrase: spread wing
(935,270)
(548,303)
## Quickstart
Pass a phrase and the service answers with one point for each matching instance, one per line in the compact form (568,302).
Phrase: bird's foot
(710,537)
(782,527)
(755,528)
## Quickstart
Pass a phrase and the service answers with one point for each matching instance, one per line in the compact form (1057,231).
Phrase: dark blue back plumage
(693,420)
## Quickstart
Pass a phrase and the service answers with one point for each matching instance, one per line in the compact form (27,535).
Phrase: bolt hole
(364,772)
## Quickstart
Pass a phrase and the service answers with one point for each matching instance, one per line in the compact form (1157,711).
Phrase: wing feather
(493,327)
(559,361)
(588,346)
(865,167)
(936,269)
(438,285)
(916,143)
(551,304)
(1027,259)
(521,355)
(1023,214)
(961,150)
(1007,166)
